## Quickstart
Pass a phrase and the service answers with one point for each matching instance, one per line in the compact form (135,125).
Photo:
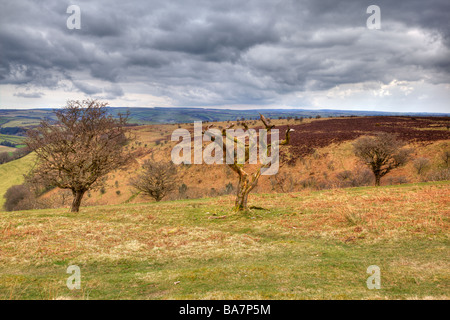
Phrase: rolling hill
(11,173)
(28,118)
(310,237)
(319,157)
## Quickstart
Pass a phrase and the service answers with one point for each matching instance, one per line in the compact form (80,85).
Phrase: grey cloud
(29,95)
(113,91)
(104,92)
(87,88)
(211,52)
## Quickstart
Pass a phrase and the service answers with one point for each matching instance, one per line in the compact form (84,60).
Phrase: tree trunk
(77,197)
(242,194)
(241,201)
(377,181)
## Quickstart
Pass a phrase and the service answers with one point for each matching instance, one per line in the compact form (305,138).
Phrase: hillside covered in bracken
(318,134)
(319,156)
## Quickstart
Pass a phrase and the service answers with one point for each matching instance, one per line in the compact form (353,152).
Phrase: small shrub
(157,179)
(362,177)
(4,157)
(229,188)
(182,189)
(445,156)
(22,197)
(356,178)
(344,175)
(309,182)
(316,155)
(354,219)
(14,196)
(330,165)
(397,180)
(421,165)
(282,182)
(438,175)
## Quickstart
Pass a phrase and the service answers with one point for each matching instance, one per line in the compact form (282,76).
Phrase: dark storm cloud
(223,52)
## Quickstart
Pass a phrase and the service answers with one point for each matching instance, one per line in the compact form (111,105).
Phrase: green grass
(304,246)
(3,120)
(11,173)
(10,150)
(21,123)
(13,139)
(23,117)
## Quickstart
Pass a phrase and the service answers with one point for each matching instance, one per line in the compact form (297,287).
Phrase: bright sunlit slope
(12,173)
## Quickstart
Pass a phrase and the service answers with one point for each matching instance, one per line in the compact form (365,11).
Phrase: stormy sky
(310,54)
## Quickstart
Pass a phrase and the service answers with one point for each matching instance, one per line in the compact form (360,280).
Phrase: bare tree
(282,181)
(156,180)
(381,153)
(24,197)
(248,181)
(18,197)
(421,165)
(82,146)
(4,157)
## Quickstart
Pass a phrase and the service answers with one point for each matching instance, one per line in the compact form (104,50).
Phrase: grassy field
(14,139)
(17,140)
(11,173)
(306,245)
(10,150)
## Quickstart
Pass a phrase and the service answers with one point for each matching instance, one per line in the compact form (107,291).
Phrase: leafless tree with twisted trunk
(248,181)
(82,146)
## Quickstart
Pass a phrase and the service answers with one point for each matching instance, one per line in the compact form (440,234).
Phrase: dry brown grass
(305,245)
(315,171)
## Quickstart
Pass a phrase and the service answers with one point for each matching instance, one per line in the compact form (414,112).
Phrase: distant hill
(27,118)
(189,115)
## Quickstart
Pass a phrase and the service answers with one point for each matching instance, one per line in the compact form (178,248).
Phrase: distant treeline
(12,131)
(10,156)
(7,144)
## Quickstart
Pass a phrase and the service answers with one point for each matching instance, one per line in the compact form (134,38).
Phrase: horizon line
(246,109)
